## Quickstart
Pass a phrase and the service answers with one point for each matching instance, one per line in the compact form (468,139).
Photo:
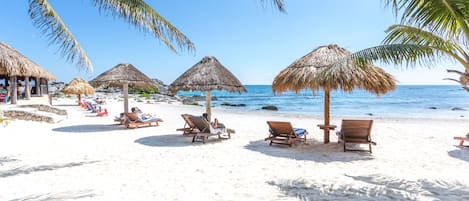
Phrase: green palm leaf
(448,18)
(49,22)
(146,19)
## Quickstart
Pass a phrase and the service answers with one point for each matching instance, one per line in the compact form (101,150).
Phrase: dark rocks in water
(369,114)
(270,107)
(233,105)
(432,108)
(458,109)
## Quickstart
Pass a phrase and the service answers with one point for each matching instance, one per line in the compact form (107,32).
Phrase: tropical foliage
(429,31)
(136,12)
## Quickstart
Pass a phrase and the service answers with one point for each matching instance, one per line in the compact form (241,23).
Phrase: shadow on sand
(461,153)
(67,195)
(28,170)
(313,151)
(4,159)
(169,140)
(377,187)
(88,128)
(66,105)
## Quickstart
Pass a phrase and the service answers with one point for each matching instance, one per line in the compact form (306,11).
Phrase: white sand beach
(91,158)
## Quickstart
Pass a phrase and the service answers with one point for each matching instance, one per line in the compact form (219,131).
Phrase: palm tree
(135,12)
(429,32)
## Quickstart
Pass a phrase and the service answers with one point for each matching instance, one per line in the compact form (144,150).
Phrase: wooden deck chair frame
(134,122)
(282,132)
(189,127)
(356,132)
(205,130)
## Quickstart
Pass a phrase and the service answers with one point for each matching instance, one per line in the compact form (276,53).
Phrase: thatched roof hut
(206,75)
(122,75)
(13,63)
(328,68)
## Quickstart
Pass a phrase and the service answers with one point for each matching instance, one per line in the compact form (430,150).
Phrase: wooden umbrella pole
(126,102)
(79,99)
(126,97)
(208,99)
(326,115)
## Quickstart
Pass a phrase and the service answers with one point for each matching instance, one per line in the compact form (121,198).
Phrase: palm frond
(403,34)
(445,17)
(407,54)
(49,22)
(277,3)
(146,19)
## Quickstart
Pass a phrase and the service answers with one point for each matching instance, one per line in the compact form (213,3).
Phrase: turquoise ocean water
(432,101)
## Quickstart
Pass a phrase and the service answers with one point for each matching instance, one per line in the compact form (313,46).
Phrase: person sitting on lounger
(215,123)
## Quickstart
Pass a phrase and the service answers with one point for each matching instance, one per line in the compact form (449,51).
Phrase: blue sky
(252,40)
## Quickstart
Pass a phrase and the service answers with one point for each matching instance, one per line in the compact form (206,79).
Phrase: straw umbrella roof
(79,86)
(13,63)
(314,71)
(208,74)
(121,74)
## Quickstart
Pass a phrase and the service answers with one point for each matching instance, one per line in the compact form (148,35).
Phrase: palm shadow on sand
(66,195)
(378,187)
(89,128)
(461,153)
(312,151)
(28,170)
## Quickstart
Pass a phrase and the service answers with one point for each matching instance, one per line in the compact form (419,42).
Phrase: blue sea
(413,101)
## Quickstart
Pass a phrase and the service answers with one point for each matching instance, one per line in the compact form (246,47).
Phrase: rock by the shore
(270,107)
(233,105)
(458,109)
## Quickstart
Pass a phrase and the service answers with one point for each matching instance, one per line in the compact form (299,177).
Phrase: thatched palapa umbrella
(122,75)
(79,86)
(207,75)
(315,71)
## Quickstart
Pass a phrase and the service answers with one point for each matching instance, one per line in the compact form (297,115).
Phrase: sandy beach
(84,157)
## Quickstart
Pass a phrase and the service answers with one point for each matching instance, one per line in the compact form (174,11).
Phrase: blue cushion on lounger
(300,131)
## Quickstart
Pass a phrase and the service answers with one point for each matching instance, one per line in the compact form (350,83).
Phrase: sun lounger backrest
(356,129)
(281,128)
(189,122)
(201,124)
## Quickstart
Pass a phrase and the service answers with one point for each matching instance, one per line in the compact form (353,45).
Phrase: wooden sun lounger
(283,133)
(134,122)
(205,130)
(356,132)
(461,141)
(189,127)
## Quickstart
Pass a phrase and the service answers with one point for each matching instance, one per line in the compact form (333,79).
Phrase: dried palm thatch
(207,75)
(79,86)
(13,63)
(325,68)
(123,73)
(307,73)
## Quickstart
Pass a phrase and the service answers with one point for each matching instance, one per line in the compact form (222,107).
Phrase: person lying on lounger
(145,116)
